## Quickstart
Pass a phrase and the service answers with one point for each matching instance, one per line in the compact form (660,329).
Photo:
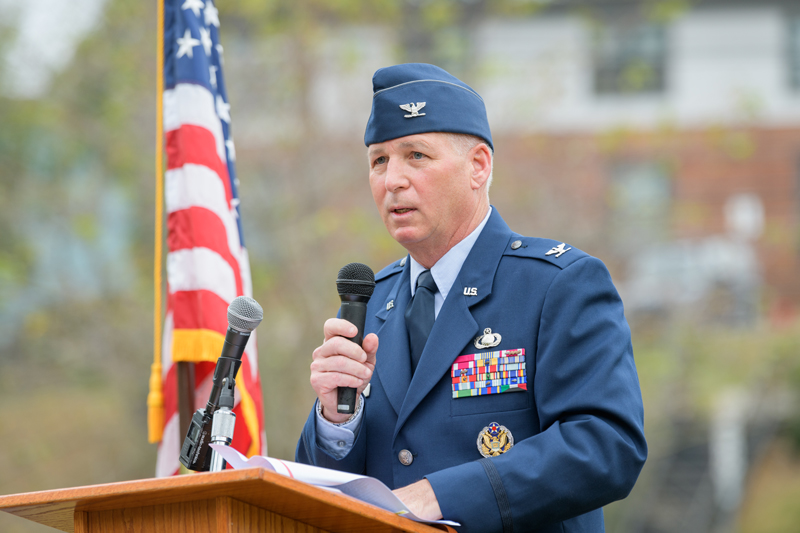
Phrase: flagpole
(155,398)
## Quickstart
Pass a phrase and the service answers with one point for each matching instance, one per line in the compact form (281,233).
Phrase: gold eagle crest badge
(494,439)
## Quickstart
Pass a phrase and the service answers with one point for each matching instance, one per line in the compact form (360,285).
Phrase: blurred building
(682,118)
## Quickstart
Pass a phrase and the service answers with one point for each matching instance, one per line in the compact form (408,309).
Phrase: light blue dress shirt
(337,440)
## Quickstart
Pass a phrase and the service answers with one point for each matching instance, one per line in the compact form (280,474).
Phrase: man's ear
(481,160)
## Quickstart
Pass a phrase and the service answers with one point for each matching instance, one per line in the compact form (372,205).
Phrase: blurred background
(661,136)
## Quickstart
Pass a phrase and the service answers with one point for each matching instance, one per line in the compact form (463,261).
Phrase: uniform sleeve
(314,447)
(591,445)
(338,439)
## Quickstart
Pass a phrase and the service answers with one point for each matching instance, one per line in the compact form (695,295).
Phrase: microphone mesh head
(356,278)
(244,314)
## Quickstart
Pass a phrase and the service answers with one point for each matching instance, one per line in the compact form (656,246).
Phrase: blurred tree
(76,189)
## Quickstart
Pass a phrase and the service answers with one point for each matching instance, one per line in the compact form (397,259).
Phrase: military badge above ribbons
(479,374)
(494,439)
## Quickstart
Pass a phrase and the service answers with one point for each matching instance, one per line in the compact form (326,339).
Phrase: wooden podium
(233,501)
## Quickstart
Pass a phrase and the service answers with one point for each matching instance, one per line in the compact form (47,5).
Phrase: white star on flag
(212,74)
(187,43)
(231,150)
(211,15)
(219,52)
(194,5)
(223,110)
(205,38)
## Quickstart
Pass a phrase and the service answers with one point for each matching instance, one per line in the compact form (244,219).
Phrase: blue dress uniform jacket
(578,429)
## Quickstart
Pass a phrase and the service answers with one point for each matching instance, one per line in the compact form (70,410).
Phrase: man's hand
(420,500)
(340,362)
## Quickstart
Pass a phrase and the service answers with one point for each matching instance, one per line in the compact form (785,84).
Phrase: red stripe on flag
(198,227)
(199,310)
(170,392)
(196,145)
(203,370)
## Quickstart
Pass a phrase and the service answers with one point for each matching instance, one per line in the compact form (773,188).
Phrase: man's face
(423,190)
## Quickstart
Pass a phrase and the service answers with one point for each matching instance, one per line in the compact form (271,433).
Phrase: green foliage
(300,17)
(702,361)
(664,11)
(78,382)
(637,76)
(735,144)
(771,502)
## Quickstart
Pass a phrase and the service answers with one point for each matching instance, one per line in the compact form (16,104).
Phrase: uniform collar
(446,269)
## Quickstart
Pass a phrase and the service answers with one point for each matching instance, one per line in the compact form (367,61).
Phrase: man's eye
(418,155)
(380,160)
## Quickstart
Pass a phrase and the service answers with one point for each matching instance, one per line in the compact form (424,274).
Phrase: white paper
(364,488)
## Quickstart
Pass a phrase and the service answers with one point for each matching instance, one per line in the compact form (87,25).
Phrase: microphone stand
(224,421)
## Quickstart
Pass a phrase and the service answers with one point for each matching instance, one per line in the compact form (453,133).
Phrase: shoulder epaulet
(393,268)
(557,253)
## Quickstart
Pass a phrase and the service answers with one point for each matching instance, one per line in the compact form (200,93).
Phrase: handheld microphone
(244,315)
(355,284)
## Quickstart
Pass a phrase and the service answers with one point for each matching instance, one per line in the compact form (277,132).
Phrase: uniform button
(405,457)
(341,444)
(516,244)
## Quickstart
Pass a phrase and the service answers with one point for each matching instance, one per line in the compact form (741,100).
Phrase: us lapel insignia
(487,340)
(494,439)
(558,250)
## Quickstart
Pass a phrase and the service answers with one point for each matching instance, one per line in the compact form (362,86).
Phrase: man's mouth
(402,210)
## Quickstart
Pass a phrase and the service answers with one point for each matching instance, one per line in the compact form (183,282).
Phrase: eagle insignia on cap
(413,109)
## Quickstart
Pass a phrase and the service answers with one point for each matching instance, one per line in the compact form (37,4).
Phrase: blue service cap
(421,98)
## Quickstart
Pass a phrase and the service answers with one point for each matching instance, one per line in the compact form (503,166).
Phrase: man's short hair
(463,143)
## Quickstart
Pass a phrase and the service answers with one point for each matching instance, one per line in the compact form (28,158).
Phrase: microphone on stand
(355,284)
(244,315)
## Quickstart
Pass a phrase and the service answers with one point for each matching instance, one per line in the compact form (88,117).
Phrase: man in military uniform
(502,388)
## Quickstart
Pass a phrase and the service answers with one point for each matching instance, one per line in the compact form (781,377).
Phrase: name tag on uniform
(485,373)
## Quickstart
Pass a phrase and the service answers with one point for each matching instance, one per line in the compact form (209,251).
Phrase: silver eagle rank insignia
(413,109)
(558,250)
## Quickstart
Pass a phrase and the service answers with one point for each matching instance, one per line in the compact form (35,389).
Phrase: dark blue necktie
(420,316)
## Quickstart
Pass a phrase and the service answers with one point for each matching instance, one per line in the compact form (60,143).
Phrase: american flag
(207,262)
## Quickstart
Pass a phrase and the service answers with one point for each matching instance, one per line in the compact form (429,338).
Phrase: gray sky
(46,34)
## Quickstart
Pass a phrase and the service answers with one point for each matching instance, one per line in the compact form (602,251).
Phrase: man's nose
(396,177)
